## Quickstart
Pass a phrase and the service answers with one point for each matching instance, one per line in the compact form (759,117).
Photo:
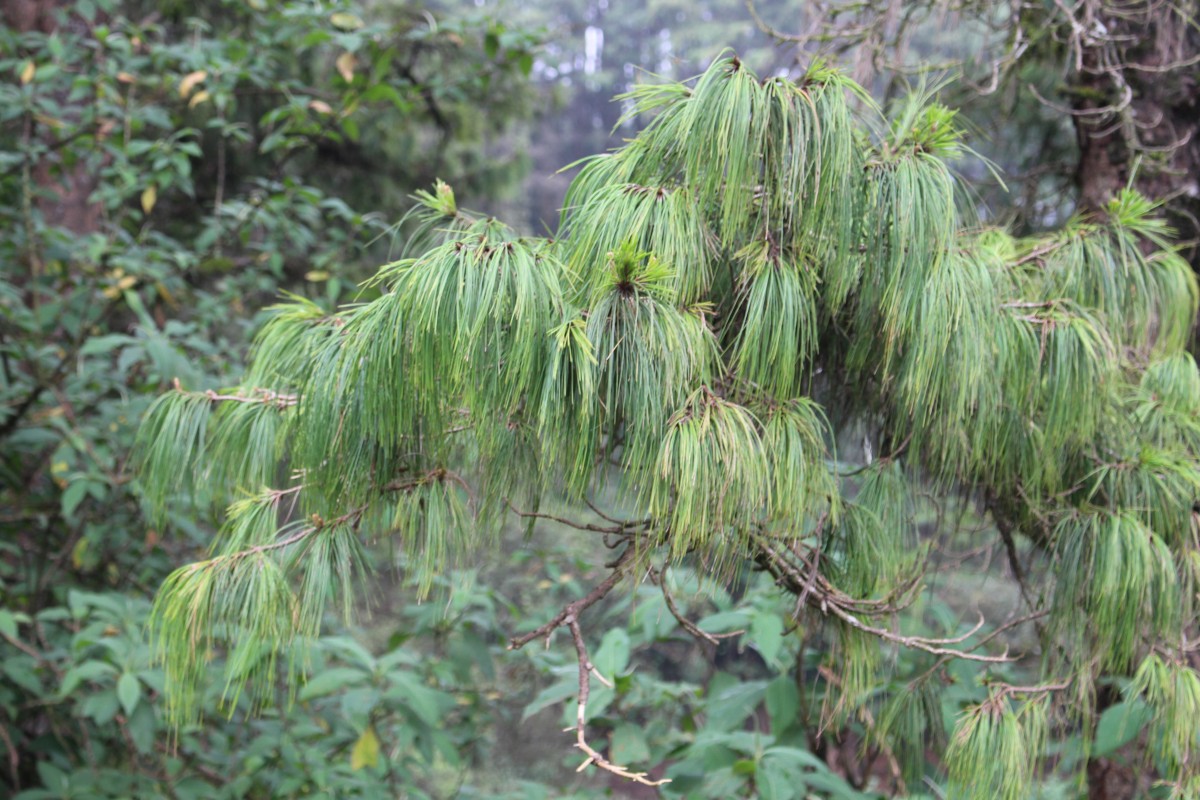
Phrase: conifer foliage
(770,267)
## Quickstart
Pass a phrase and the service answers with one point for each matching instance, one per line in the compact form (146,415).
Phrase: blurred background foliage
(167,170)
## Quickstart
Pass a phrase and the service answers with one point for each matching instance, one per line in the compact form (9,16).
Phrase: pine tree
(769,268)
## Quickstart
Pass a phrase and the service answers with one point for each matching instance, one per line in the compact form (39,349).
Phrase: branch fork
(569,618)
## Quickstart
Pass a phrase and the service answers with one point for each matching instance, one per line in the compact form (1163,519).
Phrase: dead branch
(660,577)
(833,603)
(569,618)
(618,526)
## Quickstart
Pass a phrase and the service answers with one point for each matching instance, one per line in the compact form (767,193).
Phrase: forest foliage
(894,501)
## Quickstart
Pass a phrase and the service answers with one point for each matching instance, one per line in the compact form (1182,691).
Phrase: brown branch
(14,758)
(572,610)
(1044,688)
(26,649)
(660,577)
(833,603)
(586,670)
(918,642)
(624,523)
(569,618)
(1005,627)
(619,527)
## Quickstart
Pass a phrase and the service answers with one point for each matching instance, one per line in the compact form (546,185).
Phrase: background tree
(165,170)
(758,277)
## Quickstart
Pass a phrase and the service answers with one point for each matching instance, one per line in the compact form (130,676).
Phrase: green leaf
(1119,725)
(556,693)
(766,632)
(330,681)
(99,345)
(774,781)
(72,496)
(129,691)
(426,702)
(525,63)
(783,703)
(612,657)
(22,672)
(8,624)
(629,745)
(53,777)
(730,706)
(745,766)
(100,707)
(87,671)
(725,621)
(143,728)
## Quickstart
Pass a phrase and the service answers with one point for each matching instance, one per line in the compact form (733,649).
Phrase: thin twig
(573,609)
(569,618)
(830,603)
(586,670)
(14,758)
(619,527)
(660,577)
(1043,688)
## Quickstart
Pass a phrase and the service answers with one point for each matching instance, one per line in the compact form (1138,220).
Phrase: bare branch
(573,610)
(569,618)
(586,670)
(618,527)
(1043,688)
(660,577)
(832,602)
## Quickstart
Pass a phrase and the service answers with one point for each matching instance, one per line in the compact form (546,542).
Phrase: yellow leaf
(149,198)
(197,99)
(346,22)
(316,275)
(128,282)
(345,66)
(27,72)
(125,77)
(320,106)
(366,750)
(78,552)
(190,80)
(166,295)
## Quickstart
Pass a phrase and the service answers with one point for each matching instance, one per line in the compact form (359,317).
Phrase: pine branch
(830,603)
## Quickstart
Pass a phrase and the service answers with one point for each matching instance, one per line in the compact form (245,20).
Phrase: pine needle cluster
(760,270)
